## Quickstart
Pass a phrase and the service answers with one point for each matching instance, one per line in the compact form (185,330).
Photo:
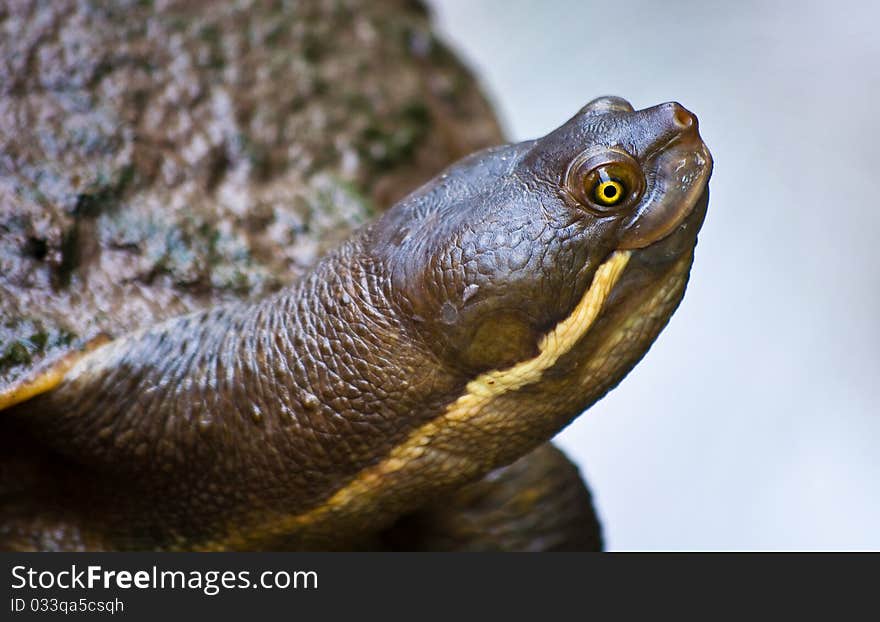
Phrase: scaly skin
(450,337)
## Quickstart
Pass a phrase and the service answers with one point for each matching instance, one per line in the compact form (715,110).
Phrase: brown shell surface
(159,158)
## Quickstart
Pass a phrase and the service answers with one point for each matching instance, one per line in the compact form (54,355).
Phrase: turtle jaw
(680,240)
(639,306)
(662,251)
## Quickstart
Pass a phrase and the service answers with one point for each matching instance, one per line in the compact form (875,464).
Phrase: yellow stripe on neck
(555,343)
(361,492)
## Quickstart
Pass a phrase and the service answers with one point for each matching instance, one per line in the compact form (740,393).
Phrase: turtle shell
(156,162)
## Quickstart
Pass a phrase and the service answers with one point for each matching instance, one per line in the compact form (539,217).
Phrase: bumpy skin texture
(329,410)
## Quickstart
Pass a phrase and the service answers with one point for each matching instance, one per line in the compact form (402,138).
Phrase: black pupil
(610,191)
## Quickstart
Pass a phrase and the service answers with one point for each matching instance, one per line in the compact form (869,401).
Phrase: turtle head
(500,252)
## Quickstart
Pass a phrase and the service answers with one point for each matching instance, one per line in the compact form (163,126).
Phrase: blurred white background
(754,421)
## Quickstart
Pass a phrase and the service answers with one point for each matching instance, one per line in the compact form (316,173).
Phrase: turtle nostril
(682,118)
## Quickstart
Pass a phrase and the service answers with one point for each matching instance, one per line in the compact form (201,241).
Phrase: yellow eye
(609,192)
(605,181)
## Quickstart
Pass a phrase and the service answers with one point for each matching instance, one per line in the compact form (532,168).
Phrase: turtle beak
(678,173)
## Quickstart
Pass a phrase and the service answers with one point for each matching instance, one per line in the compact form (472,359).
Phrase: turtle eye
(608,191)
(605,182)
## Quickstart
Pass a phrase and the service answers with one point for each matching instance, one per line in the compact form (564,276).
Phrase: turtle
(398,386)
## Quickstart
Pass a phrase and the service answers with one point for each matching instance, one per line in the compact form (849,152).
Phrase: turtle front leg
(538,503)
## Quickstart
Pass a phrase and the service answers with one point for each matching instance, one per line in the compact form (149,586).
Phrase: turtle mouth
(659,257)
(652,267)
(682,237)
(678,174)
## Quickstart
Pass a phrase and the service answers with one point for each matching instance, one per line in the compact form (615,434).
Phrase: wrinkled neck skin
(243,411)
(324,411)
